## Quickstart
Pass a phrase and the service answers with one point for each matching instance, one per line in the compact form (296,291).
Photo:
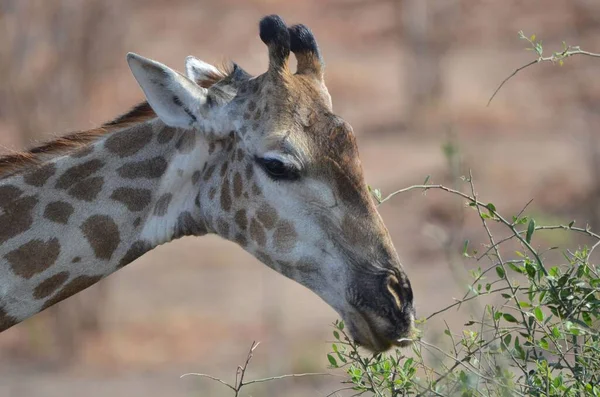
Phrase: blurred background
(413,78)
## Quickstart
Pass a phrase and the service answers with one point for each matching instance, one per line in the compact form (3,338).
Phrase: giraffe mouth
(379,335)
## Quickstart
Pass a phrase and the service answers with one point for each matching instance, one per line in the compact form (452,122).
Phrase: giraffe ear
(204,74)
(176,99)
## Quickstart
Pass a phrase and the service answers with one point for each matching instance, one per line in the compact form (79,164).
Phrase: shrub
(538,337)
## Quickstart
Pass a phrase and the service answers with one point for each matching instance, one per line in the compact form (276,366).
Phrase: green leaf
(532,38)
(514,267)
(332,360)
(568,325)
(463,377)
(519,349)
(491,207)
(336,335)
(473,290)
(530,269)
(531,292)
(530,230)
(500,271)
(539,49)
(377,194)
(426,179)
(465,246)
(555,332)
(575,331)
(539,315)
(571,224)
(558,382)
(510,318)
(543,343)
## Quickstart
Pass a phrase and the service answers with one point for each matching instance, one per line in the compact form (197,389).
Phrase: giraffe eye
(278,170)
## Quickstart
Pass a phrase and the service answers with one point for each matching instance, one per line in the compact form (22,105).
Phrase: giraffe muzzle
(383,317)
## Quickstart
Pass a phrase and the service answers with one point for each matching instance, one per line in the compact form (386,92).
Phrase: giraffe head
(283,179)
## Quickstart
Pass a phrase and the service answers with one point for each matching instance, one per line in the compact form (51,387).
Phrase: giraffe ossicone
(261,161)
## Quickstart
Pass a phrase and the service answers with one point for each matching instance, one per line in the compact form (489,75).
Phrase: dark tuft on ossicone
(304,45)
(302,39)
(274,33)
(273,30)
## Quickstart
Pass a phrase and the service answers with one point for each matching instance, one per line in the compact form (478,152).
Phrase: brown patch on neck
(13,163)
(6,321)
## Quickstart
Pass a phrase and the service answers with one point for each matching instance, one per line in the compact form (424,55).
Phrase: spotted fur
(192,161)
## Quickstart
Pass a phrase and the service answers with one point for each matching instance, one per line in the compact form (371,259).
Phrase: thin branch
(461,301)
(425,188)
(524,208)
(517,70)
(209,377)
(553,227)
(288,376)
(339,390)
(241,371)
(553,58)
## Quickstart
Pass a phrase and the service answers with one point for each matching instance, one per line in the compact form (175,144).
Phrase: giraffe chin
(378,335)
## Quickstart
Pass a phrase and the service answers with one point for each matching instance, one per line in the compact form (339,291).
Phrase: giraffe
(261,161)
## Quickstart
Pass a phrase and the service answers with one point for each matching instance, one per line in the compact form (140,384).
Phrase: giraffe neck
(79,217)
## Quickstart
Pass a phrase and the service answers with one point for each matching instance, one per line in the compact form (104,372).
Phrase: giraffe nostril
(393,287)
(400,291)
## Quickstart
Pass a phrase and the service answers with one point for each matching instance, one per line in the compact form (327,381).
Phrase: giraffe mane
(11,164)
(15,162)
